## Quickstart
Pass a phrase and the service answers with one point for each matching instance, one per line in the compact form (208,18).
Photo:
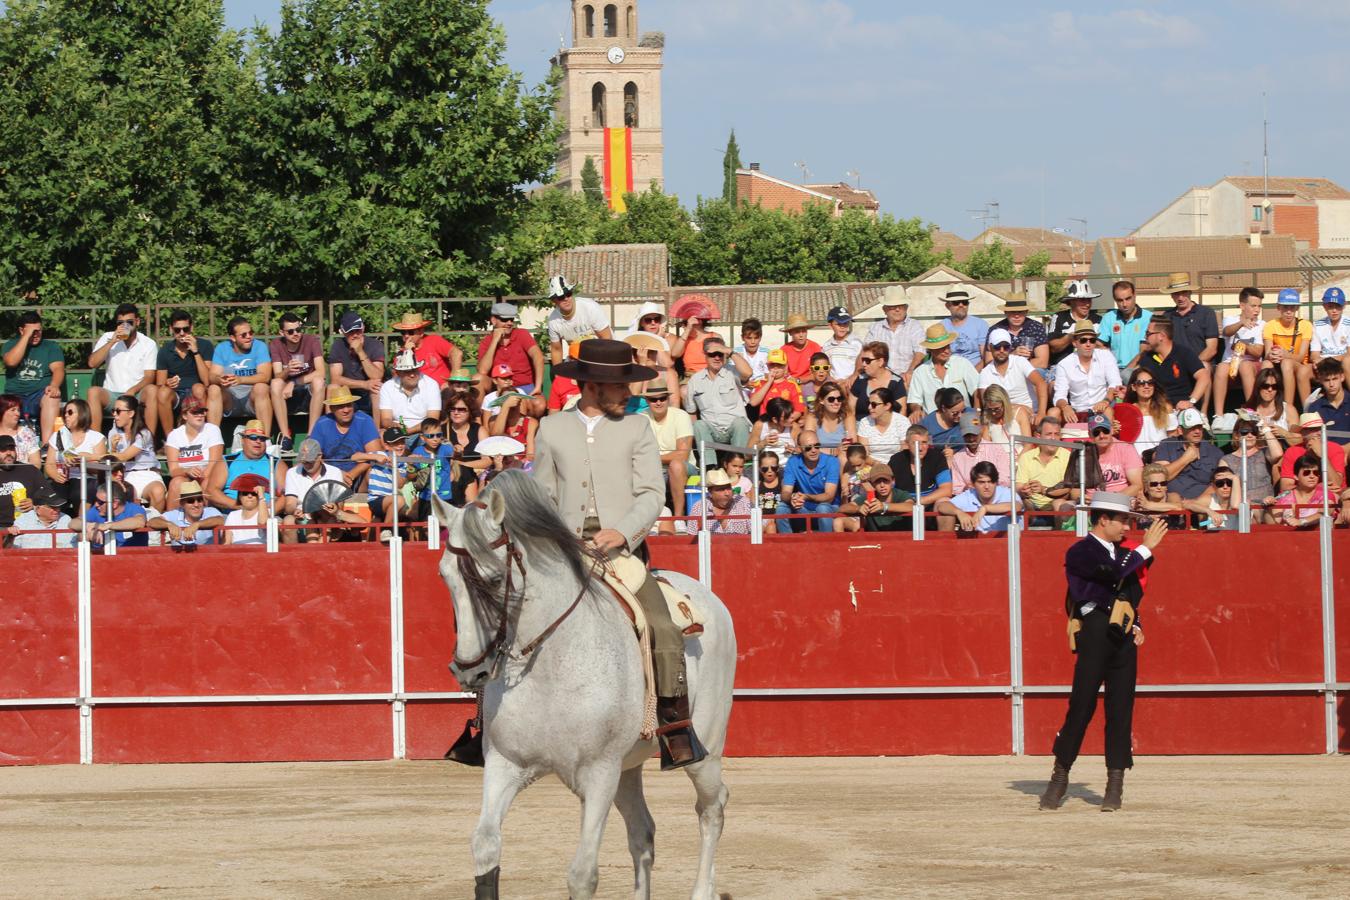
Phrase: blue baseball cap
(350,322)
(1097,421)
(839,314)
(1334,295)
(1288,297)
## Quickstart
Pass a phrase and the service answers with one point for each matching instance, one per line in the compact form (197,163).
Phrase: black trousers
(1102,658)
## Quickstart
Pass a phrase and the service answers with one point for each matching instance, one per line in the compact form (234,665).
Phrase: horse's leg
(502,780)
(712,800)
(596,787)
(641,830)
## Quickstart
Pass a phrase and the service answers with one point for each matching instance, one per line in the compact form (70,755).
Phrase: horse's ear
(496,507)
(444,511)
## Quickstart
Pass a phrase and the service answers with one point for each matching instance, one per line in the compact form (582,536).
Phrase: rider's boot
(675,733)
(469,748)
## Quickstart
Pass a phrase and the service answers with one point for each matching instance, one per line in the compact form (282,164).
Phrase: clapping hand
(1155,534)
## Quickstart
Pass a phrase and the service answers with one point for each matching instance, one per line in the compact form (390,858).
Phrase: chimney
(1254,236)
(754,167)
(1131,255)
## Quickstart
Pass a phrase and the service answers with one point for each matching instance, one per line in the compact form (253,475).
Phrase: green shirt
(33,373)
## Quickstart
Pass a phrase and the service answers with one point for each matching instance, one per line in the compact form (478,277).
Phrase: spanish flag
(618,166)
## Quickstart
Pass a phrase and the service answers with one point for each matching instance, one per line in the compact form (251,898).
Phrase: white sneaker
(1224,423)
(680,527)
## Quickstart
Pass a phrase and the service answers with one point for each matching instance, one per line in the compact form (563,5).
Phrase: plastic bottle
(693,491)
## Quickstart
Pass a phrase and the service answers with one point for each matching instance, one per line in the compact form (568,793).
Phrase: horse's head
(473,567)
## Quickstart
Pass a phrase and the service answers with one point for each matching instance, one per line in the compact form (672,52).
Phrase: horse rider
(603,470)
(1102,602)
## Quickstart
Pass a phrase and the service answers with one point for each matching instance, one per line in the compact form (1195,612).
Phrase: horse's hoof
(485,885)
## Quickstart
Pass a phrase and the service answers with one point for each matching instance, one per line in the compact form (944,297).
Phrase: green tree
(992,262)
(120,178)
(395,142)
(731,161)
(591,185)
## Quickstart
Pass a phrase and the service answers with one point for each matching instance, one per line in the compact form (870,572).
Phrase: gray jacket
(619,462)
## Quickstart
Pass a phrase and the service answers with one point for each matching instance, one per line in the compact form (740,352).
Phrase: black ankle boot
(1115,789)
(1055,790)
(485,885)
(675,734)
(469,748)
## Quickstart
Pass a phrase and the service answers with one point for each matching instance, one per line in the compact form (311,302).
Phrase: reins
(498,644)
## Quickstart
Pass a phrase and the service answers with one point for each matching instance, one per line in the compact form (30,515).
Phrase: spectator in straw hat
(345,432)
(902,335)
(1064,328)
(573,320)
(728,511)
(438,356)
(252,459)
(1028,339)
(356,362)
(411,395)
(1194,327)
(514,346)
(1087,380)
(799,348)
(193,522)
(941,369)
(971,331)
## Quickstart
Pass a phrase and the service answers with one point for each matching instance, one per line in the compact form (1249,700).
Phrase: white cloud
(1131,28)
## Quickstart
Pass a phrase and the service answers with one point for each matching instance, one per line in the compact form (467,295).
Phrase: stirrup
(468,749)
(697,752)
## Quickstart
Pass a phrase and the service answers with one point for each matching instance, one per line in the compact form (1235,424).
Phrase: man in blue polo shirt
(811,483)
(1331,404)
(1124,328)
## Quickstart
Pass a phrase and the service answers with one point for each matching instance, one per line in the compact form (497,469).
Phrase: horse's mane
(533,523)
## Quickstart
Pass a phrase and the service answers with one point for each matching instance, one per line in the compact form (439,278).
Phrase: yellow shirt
(1031,468)
(1275,334)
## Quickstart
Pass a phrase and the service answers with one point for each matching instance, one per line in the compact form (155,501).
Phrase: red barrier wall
(838,612)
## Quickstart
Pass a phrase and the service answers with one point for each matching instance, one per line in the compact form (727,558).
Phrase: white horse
(562,682)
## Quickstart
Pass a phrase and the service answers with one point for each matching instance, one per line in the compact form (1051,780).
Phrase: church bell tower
(610,102)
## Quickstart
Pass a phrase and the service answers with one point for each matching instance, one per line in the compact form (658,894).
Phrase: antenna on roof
(1265,166)
(856,176)
(986,214)
(806,173)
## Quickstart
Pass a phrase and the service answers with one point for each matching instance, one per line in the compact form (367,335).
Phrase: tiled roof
(1303,188)
(948,240)
(1155,257)
(848,196)
(1025,242)
(621,270)
(1327,266)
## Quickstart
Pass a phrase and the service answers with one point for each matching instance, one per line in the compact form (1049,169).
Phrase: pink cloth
(1116,464)
(963,461)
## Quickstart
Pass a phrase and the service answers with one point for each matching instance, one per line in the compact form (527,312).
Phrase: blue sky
(1100,111)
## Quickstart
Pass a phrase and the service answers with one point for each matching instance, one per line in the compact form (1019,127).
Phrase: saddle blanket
(625,575)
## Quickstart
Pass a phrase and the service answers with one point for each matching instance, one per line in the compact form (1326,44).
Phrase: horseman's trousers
(667,641)
(1102,658)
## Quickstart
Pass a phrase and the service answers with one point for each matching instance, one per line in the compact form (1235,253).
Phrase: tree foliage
(992,262)
(591,185)
(731,161)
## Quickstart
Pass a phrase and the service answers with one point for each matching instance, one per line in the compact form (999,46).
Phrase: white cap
(1190,418)
(999,336)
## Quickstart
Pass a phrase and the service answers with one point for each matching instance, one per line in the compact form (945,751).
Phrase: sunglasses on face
(1155,484)
(254,437)
(1003,346)
(118,412)
(768,470)
(868,360)
(1223,482)
(715,354)
(1269,387)
(455,409)
(873,404)
(652,320)
(68,412)
(182,329)
(833,398)
(1143,382)
(807,448)
(193,500)
(290,331)
(126,321)
(244,334)
(1085,340)
(958,302)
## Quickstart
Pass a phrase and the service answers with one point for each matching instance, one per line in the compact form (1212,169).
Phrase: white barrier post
(917,518)
(756,513)
(83,608)
(1324,528)
(1015,607)
(397,687)
(704,536)
(1081,517)
(110,540)
(273,530)
(1245,507)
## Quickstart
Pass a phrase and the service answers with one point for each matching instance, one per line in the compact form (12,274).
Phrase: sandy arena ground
(935,827)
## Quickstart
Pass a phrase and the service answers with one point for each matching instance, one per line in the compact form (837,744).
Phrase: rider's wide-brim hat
(1110,501)
(604,362)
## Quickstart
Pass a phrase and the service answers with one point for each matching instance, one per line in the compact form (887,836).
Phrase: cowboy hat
(340,396)
(604,362)
(1178,283)
(559,288)
(1079,289)
(655,390)
(955,294)
(717,478)
(645,340)
(1015,302)
(189,489)
(410,321)
(1084,326)
(937,336)
(1112,502)
(406,362)
(895,295)
(795,321)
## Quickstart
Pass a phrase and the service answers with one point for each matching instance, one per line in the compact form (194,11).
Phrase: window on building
(611,21)
(632,22)
(1257,213)
(588,20)
(630,105)
(598,105)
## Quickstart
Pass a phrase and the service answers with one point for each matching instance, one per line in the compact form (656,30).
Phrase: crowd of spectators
(860,433)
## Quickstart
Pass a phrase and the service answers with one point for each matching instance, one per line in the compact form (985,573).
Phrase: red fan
(695,306)
(1131,421)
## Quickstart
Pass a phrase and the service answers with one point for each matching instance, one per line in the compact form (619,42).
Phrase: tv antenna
(986,214)
(856,176)
(806,173)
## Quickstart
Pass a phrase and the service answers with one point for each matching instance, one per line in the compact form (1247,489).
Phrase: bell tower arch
(611,79)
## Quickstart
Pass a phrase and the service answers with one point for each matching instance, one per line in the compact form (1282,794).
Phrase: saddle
(624,575)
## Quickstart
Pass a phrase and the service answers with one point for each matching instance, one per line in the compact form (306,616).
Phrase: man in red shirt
(514,346)
(799,347)
(438,356)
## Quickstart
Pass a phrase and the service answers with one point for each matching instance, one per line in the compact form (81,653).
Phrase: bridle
(498,647)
